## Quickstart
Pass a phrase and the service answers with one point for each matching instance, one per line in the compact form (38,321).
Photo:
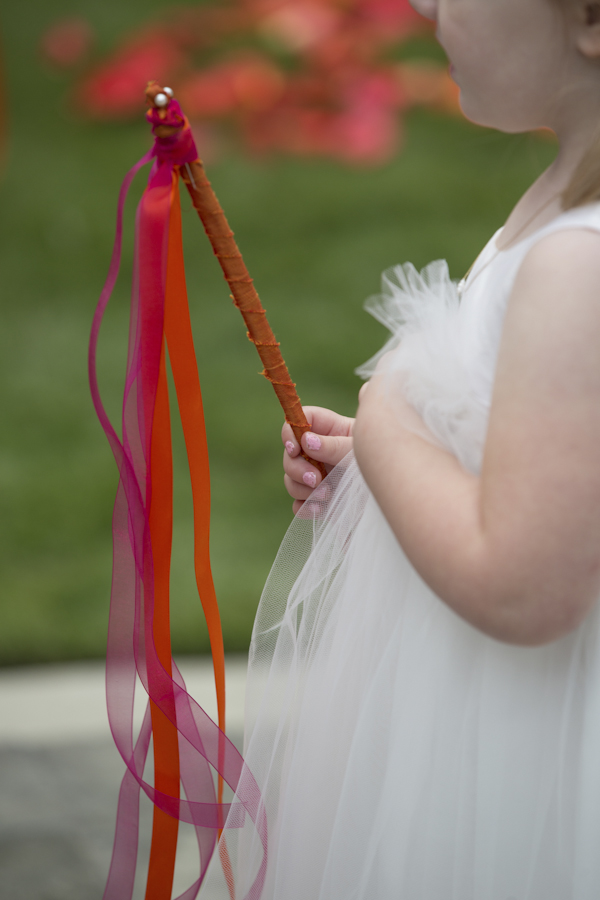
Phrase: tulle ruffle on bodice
(437,356)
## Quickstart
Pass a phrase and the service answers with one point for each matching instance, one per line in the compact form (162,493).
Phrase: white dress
(402,754)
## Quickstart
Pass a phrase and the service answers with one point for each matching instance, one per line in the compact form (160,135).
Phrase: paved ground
(60,774)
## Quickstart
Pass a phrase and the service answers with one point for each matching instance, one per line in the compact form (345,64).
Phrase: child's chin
(482,115)
(474,113)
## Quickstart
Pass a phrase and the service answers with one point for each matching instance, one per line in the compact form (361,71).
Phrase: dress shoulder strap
(498,268)
(587,216)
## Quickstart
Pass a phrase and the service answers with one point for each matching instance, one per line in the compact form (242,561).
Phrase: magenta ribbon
(131,652)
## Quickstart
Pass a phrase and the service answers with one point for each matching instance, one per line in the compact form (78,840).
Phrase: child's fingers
(297,489)
(329,446)
(326,421)
(329,449)
(322,421)
(289,441)
(312,506)
(299,470)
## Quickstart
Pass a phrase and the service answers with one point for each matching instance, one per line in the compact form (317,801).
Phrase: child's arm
(516,551)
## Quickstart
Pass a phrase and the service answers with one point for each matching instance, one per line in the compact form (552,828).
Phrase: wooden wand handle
(245,297)
(243,292)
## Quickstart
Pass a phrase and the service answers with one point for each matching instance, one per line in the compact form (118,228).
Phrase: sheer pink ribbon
(131,650)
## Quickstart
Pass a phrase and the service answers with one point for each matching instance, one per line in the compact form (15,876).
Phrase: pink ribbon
(131,652)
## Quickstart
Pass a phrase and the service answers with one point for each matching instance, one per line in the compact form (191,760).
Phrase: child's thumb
(327,449)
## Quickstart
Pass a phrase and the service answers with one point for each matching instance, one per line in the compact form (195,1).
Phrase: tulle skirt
(401,754)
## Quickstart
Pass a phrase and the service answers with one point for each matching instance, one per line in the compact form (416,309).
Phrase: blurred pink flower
(307,77)
(359,125)
(367,130)
(366,135)
(300,24)
(248,82)
(392,19)
(115,88)
(67,42)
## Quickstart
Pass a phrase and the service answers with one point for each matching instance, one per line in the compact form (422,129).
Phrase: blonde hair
(584,186)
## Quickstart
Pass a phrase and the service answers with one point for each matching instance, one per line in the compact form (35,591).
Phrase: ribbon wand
(187,745)
(168,124)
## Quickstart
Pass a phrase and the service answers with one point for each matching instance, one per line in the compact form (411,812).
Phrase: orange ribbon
(182,357)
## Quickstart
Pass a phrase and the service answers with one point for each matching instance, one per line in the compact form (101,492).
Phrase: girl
(424,691)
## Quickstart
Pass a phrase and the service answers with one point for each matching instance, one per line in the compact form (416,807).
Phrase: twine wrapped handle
(173,138)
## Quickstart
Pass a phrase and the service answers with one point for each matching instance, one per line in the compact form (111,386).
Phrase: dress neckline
(523,239)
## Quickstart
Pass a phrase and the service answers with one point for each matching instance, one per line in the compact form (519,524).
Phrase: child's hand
(329,441)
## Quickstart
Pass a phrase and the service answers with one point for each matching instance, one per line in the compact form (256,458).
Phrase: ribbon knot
(177,147)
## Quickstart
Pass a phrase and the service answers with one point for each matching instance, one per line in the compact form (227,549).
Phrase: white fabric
(402,754)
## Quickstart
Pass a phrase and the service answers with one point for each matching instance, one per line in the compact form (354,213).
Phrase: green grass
(315,237)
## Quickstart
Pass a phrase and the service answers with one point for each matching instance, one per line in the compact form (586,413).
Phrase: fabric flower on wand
(187,744)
